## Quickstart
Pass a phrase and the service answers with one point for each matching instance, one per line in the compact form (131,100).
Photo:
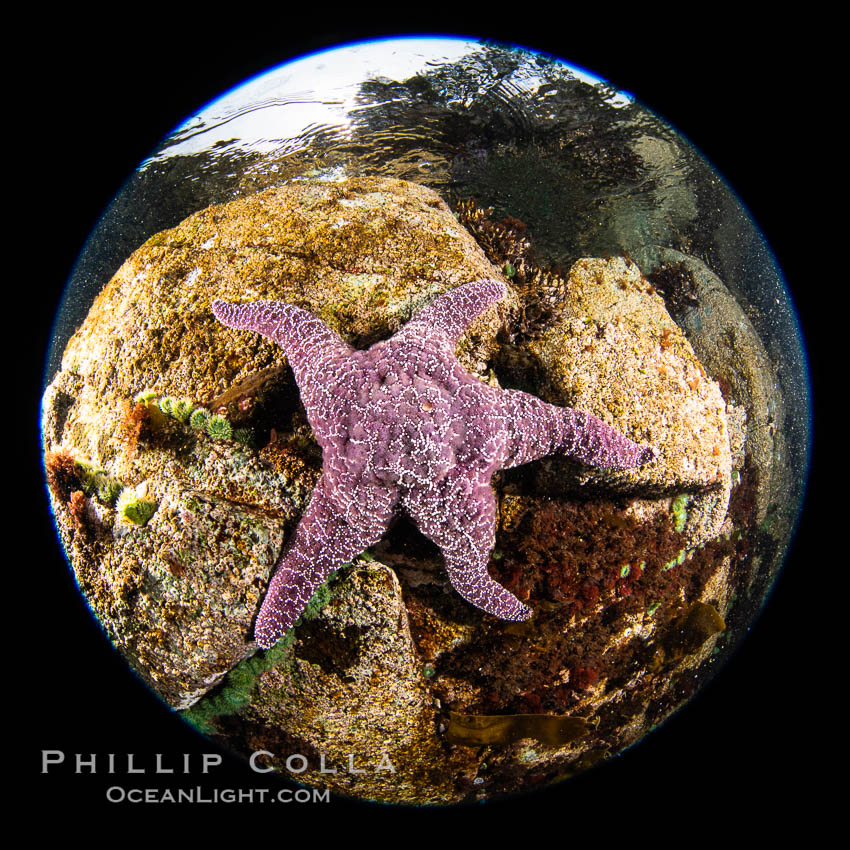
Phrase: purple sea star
(402,424)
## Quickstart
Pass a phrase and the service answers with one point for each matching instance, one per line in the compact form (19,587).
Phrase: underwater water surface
(505,134)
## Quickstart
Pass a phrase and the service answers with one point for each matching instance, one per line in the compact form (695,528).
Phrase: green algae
(235,692)
(318,601)
(166,404)
(680,559)
(244,436)
(184,411)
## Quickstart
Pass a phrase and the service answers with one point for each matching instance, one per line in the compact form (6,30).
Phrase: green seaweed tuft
(318,601)
(684,554)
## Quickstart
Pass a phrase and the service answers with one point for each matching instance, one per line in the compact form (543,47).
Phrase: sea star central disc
(403,424)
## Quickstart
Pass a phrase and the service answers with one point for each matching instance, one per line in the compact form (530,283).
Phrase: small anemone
(108,488)
(98,482)
(182,409)
(145,397)
(199,419)
(166,405)
(244,436)
(134,507)
(219,428)
(680,511)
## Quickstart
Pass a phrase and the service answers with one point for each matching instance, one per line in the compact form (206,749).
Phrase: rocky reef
(179,460)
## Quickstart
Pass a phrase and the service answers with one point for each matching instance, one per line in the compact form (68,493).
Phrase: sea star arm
(306,339)
(453,312)
(460,517)
(536,429)
(326,538)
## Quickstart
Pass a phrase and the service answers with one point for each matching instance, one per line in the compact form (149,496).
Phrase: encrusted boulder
(179,463)
(620,356)
(179,594)
(353,695)
(728,345)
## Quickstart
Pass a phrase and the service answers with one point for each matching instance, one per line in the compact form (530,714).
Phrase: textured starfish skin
(403,425)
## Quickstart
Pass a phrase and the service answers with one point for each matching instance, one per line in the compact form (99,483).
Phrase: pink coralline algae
(403,425)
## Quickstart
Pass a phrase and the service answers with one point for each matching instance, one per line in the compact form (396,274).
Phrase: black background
(98,96)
